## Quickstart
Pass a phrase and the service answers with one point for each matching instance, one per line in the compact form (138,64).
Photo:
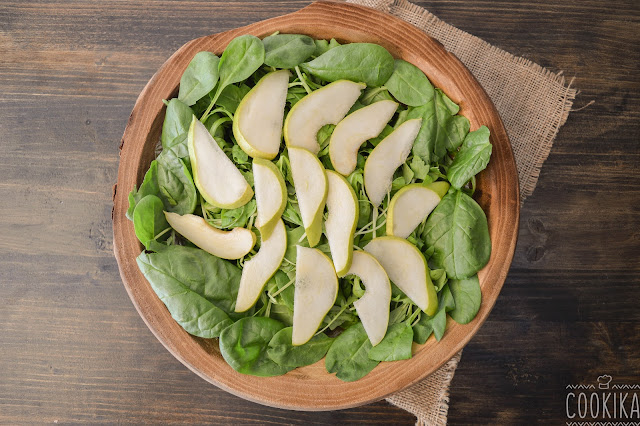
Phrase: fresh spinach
(199,78)
(287,50)
(457,229)
(175,128)
(348,356)
(472,158)
(435,324)
(323,46)
(360,62)
(231,97)
(149,186)
(409,85)
(285,354)
(148,219)
(468,297)
(396,344)
(176,187)
(192,284)
(244,346)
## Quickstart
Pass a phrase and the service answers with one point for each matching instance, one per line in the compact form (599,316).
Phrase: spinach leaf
(446,299)
(287,50)
(472,158)
(175,129)
(149,186)
(244,346)
(409,85)
(216,280)
(278,281)
(323,46)
(436,324)
(285,354)
(192,284)
(148,219)
(238,217)
(371,95)
(199,78)
(436,134)
(348,356)
(396,344)
(360,62)
(176,188)
(467,296)
(282,313)
(458,231)
(231,97)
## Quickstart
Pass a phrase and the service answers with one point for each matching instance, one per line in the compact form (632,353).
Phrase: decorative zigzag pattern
(580,387)
(625,387)
(603,423)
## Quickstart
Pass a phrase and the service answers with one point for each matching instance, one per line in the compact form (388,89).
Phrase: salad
(350,241)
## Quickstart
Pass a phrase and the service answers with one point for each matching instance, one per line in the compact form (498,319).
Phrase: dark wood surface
(73,348)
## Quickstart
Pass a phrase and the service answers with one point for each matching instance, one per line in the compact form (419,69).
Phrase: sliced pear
(316,289)
(407,268)
(373,307)
(411,205)
(386,157)
(356,128)
(327,105)
(310,182)
(215,175)
(271,195)
(261,267)
(257,123)
(340,225)
(230,245)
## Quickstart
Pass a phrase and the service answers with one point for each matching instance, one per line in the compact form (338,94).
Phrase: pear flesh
(257,271)
(373,307)
(327,105)
(216,177)
(340,225)
(410,206)
(386,157)
(316,289)
(356,128)
(271,195)
(310,182)
(230,245)
(257,123)
(407,268)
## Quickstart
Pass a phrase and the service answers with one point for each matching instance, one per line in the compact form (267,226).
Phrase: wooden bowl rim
(307,388)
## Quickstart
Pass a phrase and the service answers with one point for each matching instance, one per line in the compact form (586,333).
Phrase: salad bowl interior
(311,387)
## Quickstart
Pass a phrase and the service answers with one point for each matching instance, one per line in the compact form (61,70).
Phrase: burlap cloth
(533,103)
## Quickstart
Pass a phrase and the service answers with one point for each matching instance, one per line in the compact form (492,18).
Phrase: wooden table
(73,348)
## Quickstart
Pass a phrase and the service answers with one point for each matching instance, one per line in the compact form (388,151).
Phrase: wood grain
(312,388)
(72,346)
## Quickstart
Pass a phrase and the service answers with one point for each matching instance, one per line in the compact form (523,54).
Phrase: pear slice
(356,128)
(407,268)
(271,195)
(316,289)
(373,307)
(215,175)
(340,225)
(411,205)
(310,182)
(230,245)
(261,267)
(386,157)
(257,123)
(327,105)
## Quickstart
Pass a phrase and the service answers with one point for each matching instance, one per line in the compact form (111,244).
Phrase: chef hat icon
(603,381)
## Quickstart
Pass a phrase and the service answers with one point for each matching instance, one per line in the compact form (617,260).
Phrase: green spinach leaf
(149,186)
(457,229)
(287,50)
(396,344)
(323,46)
(244,346)
(199,78)
(193,285)
(176,187)
(231,97)
(148,219)
(348,356)
(468,297)
(409,85)
(360,62)
(285,354)
(472,158)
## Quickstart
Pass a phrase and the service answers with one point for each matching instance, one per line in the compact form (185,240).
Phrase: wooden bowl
(311,387)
